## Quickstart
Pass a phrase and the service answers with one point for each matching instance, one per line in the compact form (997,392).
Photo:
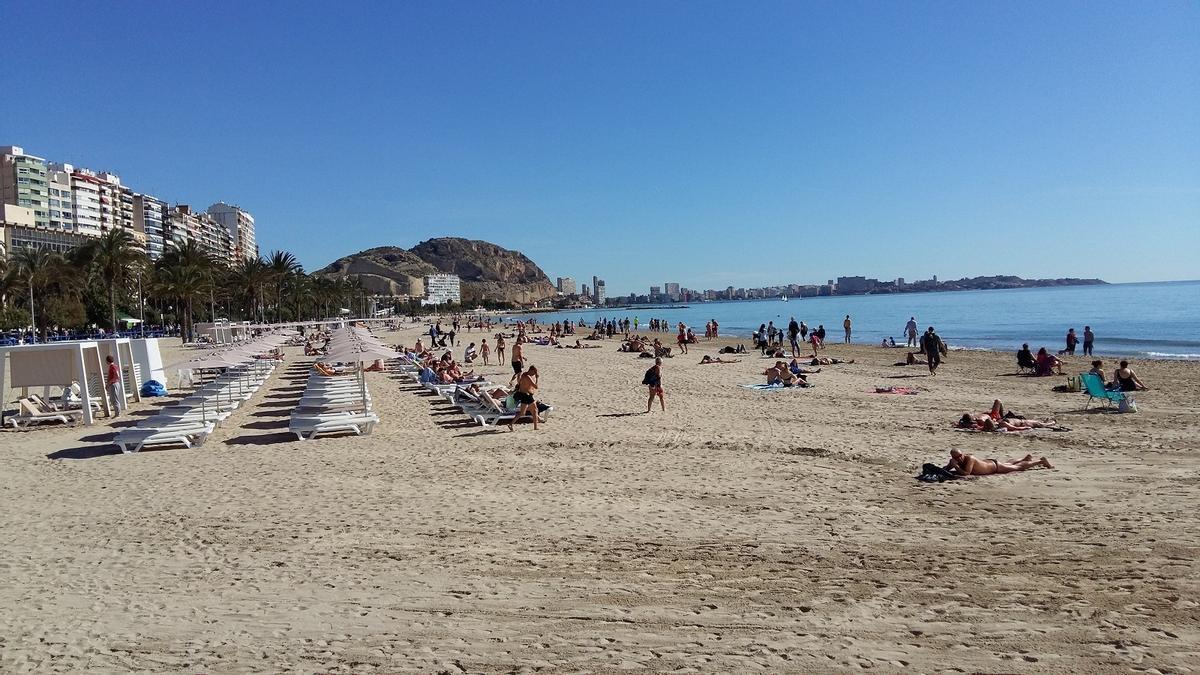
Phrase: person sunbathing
(1016,424)
(985,422)
(1047,364)
(1126,380)
(779,374)
(708,359)
(324,369)
(794,366)
(827,361)
(963,464)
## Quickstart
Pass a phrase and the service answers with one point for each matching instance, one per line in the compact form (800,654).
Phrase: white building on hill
(441,289)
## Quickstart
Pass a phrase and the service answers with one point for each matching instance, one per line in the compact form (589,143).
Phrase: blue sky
(708,143)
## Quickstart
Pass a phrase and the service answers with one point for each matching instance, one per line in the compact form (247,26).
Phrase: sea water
(1145,320)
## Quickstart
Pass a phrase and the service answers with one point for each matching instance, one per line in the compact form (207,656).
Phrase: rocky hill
(488,271)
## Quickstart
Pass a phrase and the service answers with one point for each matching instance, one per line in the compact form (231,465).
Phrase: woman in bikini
(963,464)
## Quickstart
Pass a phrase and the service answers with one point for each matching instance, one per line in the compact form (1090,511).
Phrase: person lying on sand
(911,360)
(794,366)
(708,359)
(827,361)
(962,464)
(986,422)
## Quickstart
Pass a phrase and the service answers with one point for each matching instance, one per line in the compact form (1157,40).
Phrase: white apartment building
(566,285)
(23,182)
(441,289)
(148,215)
(182,225)
(61,199)
(85,198)
(241,228)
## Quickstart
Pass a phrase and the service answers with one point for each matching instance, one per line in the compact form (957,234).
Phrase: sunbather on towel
(963,464)
(779,374)
(708,359)
(986,422)
(827,361)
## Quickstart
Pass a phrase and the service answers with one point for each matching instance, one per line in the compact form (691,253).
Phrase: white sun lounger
(30,414)
(188,435)
(306,427)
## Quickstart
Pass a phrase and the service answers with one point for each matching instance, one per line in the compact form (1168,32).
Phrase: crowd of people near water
(796,349)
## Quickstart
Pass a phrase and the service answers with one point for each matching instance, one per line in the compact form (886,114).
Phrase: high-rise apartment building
(149,214)
(85,196)
(599,292)
(672,291)
(23,182)
(241,228)
(61,200)
(566,285)
(183,225)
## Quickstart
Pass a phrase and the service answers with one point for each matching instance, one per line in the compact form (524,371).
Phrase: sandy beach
(739,531)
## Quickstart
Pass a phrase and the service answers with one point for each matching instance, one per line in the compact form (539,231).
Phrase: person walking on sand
(934,349)
(112,382)
(653,380)
(910,330)
(794,337)
(1088,338)
(484,350)
(518,362)
(846,325)
(499,348)
(682,338)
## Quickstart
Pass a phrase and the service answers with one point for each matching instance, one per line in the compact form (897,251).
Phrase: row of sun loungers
(333,404)
(190,420)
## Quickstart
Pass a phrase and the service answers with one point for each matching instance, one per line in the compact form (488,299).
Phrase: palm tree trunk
(112,304)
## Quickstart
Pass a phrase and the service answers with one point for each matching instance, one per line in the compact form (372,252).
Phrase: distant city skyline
(708,144)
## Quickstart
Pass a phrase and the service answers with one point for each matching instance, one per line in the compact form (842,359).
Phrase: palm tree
(184,273)
(113,256)
(37,269)
(281,265)
(248,280)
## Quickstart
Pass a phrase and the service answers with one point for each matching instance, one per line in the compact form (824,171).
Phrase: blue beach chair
(1093,386)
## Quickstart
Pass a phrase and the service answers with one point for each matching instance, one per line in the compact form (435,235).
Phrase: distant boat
(784,298)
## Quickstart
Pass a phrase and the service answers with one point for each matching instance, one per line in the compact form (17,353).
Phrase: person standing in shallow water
(910,330)
(1072,340)
(1088,338)
(846,324)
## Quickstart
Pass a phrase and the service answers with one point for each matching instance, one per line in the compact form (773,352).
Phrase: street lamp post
(141,304)
(32,316)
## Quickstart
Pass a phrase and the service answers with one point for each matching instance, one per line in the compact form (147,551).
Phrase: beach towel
(772,387)
(1009,431)
(907,391)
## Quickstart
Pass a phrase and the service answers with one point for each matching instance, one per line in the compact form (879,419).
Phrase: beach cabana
(56,364)
(121,349)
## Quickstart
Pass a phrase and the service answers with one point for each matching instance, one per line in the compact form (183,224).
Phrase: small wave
(1168,355)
